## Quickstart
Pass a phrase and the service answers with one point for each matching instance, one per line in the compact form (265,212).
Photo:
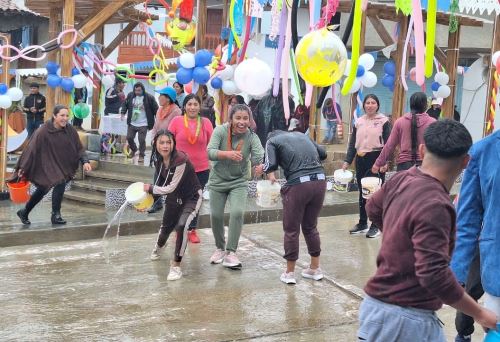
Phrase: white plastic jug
(341,179)
(370,185)
(268,194)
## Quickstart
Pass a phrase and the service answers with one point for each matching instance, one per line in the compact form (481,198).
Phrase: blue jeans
(32,125)
(379,321)
(331,130)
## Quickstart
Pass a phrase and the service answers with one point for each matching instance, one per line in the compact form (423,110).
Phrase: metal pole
(3,116)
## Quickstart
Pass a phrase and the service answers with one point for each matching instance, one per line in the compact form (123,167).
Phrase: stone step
(86,196)
(124,168)
(99,185)
(116,176)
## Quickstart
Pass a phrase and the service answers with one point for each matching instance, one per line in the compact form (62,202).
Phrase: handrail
(139,39)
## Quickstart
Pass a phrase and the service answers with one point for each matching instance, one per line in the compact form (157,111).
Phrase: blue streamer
(230,47)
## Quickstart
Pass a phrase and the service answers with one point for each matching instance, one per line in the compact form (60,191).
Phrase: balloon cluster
(440,86)
(364,77)
(193,67)
(9,95)
(54,80)
(390,75)
(254,77)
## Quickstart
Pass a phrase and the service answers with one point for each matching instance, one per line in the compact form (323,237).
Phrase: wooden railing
(134,48)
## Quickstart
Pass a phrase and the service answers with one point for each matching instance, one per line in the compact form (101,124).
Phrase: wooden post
(68,21)
(354,97)
(5,37)
(398,99)
(495,46)
(50,95)
(96,93)
(314,118)
(201,25)
(451,67)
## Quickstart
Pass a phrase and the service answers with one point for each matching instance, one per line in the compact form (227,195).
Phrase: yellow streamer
(431,37)
(231,22)
(356,33)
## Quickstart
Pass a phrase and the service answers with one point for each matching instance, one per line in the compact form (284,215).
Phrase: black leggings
(363,169)
(57,196)
(177,216)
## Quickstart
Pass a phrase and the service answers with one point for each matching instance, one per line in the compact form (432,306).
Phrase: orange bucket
(19,191)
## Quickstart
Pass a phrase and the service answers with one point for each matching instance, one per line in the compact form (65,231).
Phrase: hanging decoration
(355,48)
(182,29)
(490,121)
(390,74)
(431,36)
(479,6)
(440,86)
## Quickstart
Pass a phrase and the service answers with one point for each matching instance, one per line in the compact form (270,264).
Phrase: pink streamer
(247,38)
(405,50)
(279,52)
(286,65)
(311,14)
(418,27)
(364,5)
(334,98)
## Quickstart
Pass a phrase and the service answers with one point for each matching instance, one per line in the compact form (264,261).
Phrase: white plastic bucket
(341,179)
(370,185)
(135,193)
(268,194)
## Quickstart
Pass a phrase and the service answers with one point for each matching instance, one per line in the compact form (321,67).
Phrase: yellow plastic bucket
(136,196)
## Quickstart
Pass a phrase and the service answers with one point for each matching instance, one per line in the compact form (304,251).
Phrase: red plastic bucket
(19,192)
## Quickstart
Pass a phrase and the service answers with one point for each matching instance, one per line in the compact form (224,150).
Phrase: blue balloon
(184,76)
(435,86)
(216,83)
(52,67)
(390,68)
(3,88)
(67,84)
(388,81)
(361,71)
(202,58)
(178,62)
(75,72)
(53,81)
(201,75)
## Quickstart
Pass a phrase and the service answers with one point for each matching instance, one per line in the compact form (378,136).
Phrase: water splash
(105,243)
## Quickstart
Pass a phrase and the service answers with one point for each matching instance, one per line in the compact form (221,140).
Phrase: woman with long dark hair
(177,179)
(193,132)
(369,135)
(181,95)
(408,134)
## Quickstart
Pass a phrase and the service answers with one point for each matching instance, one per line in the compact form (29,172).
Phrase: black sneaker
(359,229)
(21,213)
(373,232)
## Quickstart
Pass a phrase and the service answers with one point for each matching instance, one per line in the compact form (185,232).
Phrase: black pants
(363,169)
(203,179)
(463,323)
(77,122)
(407,165)
(131,133)
(57,196)
(177,216)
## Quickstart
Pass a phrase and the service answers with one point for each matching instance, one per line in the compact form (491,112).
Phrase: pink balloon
(413,74)
(418,28)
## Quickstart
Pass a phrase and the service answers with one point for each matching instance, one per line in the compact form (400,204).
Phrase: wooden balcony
(134,47)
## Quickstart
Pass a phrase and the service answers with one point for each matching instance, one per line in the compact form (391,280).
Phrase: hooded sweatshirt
(401,136)
(149,103)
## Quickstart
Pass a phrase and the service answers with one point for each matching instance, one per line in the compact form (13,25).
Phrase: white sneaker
(231,260)
(218,256)
(175,273)
(288,278)
(156,253)
(316,274)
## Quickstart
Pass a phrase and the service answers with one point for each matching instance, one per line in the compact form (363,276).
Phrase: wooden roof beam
(118,39)
(381,30)
(100,19)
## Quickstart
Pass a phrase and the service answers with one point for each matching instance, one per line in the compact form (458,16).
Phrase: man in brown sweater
(415,214)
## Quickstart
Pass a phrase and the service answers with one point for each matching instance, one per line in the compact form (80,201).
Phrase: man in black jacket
(302,195)
(34,107)
(140,108)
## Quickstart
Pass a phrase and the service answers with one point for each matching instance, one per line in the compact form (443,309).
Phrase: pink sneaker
(316,274)
(231,260)
(288,278)
(217,257)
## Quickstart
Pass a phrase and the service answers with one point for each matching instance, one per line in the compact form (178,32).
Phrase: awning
(38,72)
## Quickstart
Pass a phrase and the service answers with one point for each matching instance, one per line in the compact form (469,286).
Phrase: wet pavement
(67,291)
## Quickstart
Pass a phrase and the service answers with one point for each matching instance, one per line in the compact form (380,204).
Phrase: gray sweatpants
(382,322)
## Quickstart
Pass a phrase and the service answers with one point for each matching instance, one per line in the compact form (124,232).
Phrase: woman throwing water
(230,149)
(177,179)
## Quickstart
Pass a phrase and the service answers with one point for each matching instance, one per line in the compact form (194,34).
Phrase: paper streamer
(431,36)
(231,22)
(296,76)
(418,28)
(286,64)
(248,29)
(355,48)
(334,98)
(405,51)
(490,126)
(279,52)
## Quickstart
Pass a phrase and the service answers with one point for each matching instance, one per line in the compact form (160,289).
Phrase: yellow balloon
(321,58)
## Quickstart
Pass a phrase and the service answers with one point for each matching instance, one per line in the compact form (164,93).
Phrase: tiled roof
(11,7)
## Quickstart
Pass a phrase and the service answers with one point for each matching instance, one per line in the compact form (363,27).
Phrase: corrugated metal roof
(11,8)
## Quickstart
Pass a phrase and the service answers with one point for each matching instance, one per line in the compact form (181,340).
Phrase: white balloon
(108,81)
(187,60)
(5,101)
(229,88)
(227,73)
(347,68)
(253,76)
(367,61)
(435,94)
(355,86)
(442,78)
(58,72)
(444,91)
(495,57)
(15,94)
(369,79)
(80,81)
